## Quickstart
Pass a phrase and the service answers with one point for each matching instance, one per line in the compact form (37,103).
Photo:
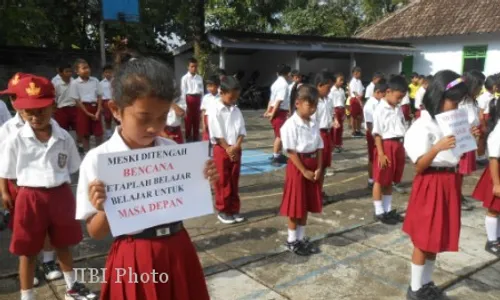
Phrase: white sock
(417,272)
(292,235)
(276,155)
(370,180)
(387,199)
(491,224)
(48,256)
(428,270)
(379,208)
(70,279)
(301,231)
(27,294)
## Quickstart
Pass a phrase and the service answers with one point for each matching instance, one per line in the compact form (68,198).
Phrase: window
(474,58)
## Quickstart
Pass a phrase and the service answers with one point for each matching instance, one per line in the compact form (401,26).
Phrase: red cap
(33,92)
(13,83)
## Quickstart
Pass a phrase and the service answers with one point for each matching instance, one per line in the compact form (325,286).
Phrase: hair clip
(454,83)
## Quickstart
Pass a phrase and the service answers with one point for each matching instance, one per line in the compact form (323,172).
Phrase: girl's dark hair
(308,93)
(323,77)
(494,116)
(139,77)
(490,83)
(474,80)
(437,91)
(229,83)
(283,69)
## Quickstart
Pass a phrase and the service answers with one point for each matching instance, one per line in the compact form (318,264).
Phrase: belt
(172,128)
(327,130)
(308,155)
(397,139)
(155,232)
(443,169)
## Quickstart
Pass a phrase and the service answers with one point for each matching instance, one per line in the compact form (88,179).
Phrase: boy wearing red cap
(41,156)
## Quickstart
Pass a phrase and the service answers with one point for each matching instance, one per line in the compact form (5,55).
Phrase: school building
(459,35)
(262,52)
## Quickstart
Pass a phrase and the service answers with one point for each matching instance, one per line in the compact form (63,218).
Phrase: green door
(408,66)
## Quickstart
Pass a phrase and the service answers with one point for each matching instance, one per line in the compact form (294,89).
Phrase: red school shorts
(393,172)
(175,133)
(106,112)
(327,148)
(66,117)
(11,185)
(406,111)
(278,121)
(40,211)
(85,126)
(355,108)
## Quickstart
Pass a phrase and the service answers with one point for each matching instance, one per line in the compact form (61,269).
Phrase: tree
(374,10)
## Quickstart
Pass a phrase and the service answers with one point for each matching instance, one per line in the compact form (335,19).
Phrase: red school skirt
(484,192)
(433,216)
(327,147)
(175,133)
(406,111)
(355,107)
(173,255)
(467,163)
(370,142)
(301,195)
(206,135)
(393,172)
(278,121)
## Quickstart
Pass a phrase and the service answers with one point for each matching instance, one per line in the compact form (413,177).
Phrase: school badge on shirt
(61,160)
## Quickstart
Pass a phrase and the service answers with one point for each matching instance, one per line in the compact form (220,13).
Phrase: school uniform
(467,163)
(301,195)
(370,89)
(226,123)
(7,129)
(368,112)
(207,103)
(44,202)
(483,102)
(419,97)
(106,96)
(484,188)
(433,216)
(389,124)
(144,251)
(337,96)
(173,124)
(291,87)
(323,117)
(279,92)
(88,93)
(4,113)
(355,106)
(56,79)
(66,112)
(191,91)
(406,107)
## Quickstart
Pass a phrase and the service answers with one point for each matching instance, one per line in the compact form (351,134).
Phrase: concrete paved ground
(359,259)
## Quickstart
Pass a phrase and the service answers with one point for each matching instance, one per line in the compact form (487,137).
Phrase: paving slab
(489,276)
(9,290)
(235,285)
(472,290)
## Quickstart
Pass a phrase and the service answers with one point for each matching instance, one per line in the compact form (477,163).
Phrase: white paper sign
(456,123)
(154,186)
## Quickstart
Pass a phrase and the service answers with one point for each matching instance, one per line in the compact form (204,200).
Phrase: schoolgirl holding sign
(433,215)
(143,90)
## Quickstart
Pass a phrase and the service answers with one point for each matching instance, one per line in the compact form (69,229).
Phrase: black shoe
(493,247)
(276,162)
(4,220)
(51,271)
(283,159)
(310,246)
(439,294)
(482,163)
(225,218)
(466,204)
(384,218)
(81,150)
(426,292)
(338,149)
(393,214)
(370,185)
(79,292)
(298,248)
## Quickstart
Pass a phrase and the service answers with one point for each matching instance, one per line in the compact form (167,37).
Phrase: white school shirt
(226,122)
(55,80)
(370,89)
(369,109)
(388,121)
(173,120)
(356,86)
(280,91)
(484,100)
(406,99)
(4,113)
(10,127)
(419,97)
(337,95)
(88,170)
(324,114)
(472,112)
(36,164)
(494,142)
(85,91)
(421,136)
(63,97)
(209,101)
(106,89)
(191,85)
(301,136)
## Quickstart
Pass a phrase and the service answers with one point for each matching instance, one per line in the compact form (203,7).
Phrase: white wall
(316,65)
(371,63)
(442,53)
